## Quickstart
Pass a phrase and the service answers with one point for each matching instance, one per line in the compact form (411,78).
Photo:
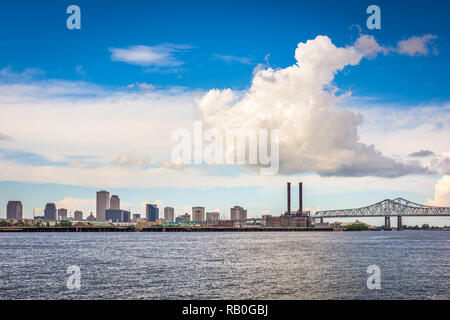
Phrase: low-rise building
(90,217)
(290,220)
(212,216)
(117,215)
(183,218)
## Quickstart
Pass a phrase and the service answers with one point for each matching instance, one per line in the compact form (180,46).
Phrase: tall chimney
(300,197)
(288,198)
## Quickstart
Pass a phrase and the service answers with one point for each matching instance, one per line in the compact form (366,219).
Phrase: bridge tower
(387,222)
(399,223)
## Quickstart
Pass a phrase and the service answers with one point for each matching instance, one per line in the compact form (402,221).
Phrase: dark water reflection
(310,265)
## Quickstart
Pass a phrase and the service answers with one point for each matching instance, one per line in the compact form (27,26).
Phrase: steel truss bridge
(387,208)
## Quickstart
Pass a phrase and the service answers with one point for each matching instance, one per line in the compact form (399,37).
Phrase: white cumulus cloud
(315,135)
(441,193)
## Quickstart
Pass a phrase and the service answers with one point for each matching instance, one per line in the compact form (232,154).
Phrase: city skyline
(210,158)
(199,213)
(367,123)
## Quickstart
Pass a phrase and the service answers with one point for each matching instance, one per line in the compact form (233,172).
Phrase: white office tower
(169,214)
(114,203)
(238,213)
(198,214)
(102,205)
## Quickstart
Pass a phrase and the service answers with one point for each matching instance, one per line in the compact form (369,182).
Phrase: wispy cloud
(416,46)
(10,75)
(164,55)
(140,85)
(413,46)
(421,153)
(131,161)
(80,71)
(232,59)
(5,137)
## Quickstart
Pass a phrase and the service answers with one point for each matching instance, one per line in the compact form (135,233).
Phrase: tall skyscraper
(212,216)
(152,212)
(50,211)
(78,215)
(62,214)
(169,214)
(198,214)
(114,202)
(102,205)
(238,213)
(14,210)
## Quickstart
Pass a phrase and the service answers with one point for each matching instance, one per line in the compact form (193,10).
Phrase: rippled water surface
(267,265)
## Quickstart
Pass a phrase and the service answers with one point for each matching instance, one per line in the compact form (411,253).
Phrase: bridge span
(387,208)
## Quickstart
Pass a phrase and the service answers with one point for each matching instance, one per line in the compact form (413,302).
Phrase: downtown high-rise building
(198,214)
(50,211)
(169,214)
(238,213)
(102,205)
(114,202)
(78,215)
(62,214)
(14,210)
(152,212)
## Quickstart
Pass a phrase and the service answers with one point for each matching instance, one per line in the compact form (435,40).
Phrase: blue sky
(206,45)
(33,34)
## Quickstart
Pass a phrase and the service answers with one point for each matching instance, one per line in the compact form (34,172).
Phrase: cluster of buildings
(108,210)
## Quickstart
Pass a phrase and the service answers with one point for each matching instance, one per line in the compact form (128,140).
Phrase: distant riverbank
(160,229)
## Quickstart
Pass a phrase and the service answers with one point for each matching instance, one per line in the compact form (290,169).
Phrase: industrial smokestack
(288,198)
(300,197)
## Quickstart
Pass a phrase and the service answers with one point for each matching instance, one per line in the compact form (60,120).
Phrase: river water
(247,265)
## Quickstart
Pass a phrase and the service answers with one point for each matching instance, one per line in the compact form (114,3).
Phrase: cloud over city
(300,101)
